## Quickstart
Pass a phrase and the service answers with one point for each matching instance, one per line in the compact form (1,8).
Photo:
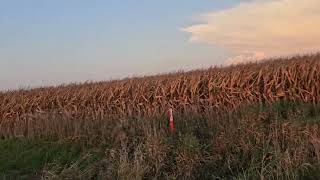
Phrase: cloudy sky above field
(53,42)
(263,28)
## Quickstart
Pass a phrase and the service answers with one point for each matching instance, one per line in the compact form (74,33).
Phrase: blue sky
(45,42)
(52,42)
(61,41)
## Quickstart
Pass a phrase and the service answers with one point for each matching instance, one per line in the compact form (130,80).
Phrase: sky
(261,29)
(46,42)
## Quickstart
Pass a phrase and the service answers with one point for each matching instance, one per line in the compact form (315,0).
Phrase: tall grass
(278,141)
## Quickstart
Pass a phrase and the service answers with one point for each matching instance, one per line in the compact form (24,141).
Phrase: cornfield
(294,79)
(253,121)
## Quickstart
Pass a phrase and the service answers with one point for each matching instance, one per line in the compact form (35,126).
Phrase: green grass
(281,141)
(24,158)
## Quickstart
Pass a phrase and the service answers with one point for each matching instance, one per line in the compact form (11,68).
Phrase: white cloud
(270,27)
(246,58)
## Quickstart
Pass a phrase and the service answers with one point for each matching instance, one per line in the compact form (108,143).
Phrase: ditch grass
(278,141)
(25,159)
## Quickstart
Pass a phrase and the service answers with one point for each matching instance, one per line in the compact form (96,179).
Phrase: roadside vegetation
(254,121)
(278,141)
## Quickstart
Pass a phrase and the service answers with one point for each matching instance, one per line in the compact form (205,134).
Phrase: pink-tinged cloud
(270,27)
(246,58)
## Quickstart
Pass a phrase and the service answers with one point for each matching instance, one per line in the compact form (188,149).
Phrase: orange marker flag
(171,121)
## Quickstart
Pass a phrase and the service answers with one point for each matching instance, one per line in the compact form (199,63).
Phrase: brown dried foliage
(292,79)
